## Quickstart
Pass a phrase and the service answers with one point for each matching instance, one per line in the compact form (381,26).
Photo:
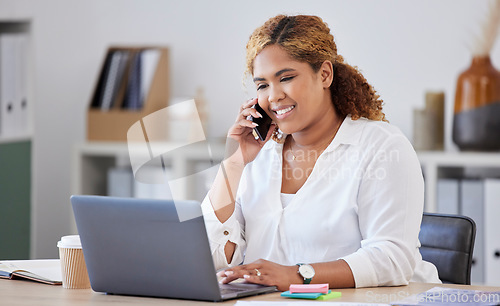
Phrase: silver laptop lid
(139,247)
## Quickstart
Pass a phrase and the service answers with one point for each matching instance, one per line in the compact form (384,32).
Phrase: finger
(250,112)
(249,103)
(247,124)
(222,273)
(248,269)
(229,277)
(247,114)
(254,279)
(233,275)
(265,280)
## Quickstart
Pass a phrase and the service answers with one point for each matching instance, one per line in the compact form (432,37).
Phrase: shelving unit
(437,164)
(15,140)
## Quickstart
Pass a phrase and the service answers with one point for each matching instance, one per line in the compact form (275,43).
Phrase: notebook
(139,247)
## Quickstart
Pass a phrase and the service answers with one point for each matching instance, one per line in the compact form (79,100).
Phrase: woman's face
(292,94)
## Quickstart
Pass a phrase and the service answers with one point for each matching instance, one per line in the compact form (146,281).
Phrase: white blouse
(362,203)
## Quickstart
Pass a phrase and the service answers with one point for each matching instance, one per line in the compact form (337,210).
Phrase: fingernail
(220,273)
(259,114)
(222,280)
(229,273)
(255,124)
(246,276)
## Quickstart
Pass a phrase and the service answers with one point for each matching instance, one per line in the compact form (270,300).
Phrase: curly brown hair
(308,39)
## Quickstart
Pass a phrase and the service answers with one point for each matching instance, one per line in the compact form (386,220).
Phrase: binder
(472,205)
(120,182)
(114,78)
(132,99)
(21,103)
(157,190)
(491,230)
(7,84)
(447,196)
(149,62)
(99,90)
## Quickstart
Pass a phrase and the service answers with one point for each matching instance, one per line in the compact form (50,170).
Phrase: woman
(338,197)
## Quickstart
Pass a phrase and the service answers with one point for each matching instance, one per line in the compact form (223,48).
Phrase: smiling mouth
(285,110)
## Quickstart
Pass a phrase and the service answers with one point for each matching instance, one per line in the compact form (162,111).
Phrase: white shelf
(18,138)
(434,161)
(122,149)
(93,159)
(460,159)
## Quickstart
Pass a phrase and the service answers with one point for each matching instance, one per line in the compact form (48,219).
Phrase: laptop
(139,247)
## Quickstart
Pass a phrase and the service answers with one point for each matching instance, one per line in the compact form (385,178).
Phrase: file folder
(21,103)
(7,84)
(149,61)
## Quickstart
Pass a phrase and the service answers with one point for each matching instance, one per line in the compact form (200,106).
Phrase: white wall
(403,47)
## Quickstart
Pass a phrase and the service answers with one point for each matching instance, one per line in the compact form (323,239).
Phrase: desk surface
(21,292)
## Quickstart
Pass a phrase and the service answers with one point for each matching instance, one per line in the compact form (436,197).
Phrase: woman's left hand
(263,272)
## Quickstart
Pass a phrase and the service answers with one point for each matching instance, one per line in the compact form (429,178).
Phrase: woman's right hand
(246,147)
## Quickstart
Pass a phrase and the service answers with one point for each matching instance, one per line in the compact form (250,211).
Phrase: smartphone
(264,123)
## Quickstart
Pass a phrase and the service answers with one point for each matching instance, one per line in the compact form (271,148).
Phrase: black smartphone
(264,123)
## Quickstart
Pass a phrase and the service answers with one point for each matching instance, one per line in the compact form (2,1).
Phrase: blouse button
(226,233)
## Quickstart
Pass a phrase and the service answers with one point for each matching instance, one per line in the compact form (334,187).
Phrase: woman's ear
(326,72)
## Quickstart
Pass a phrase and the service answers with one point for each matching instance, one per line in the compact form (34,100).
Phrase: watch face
(307,271)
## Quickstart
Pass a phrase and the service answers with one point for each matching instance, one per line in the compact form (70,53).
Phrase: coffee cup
(73,268)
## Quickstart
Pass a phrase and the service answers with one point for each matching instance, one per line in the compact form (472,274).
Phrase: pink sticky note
(310,288)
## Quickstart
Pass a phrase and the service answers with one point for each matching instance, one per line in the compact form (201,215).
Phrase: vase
(476,119)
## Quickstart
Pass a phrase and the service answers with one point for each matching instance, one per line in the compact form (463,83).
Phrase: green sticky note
(331,295)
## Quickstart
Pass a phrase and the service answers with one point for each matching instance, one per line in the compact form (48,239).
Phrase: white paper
(296,302)
(46,268)
(451,296)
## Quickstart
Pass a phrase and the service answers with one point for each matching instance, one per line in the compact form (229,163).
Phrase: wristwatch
(306,271)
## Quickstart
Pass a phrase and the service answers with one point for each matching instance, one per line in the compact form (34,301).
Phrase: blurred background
(404,48)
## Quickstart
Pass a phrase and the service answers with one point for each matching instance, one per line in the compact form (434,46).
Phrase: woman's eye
(262,86)
(285,79)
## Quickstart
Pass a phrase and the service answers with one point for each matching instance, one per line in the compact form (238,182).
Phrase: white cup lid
(71,242)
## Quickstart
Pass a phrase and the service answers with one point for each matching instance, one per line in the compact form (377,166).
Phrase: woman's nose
(276,94)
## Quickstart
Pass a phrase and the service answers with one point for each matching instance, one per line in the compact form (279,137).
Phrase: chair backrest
(448,242)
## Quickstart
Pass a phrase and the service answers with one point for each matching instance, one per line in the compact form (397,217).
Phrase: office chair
(448,242)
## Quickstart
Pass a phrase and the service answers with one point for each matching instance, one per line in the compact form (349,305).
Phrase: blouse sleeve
(390,206)
(220,233)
